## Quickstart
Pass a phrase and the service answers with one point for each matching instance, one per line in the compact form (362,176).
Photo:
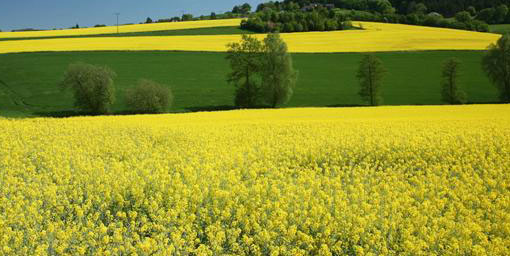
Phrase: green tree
(92,86)
(463,16)
(450,91)
(187,17)
(245,62)
(496,64)
(500,13)
(213,16)
(381,6)
(277,71)
(487,15)
(242,9)
(370,74)
(149,20)
(472,11)
(246,8)
(149,97)
(417,8)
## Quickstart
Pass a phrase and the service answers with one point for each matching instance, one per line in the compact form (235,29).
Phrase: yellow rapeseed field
(375,37)
(125,28)
(317,181)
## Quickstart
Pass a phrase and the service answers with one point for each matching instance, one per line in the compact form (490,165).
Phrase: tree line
(320,19)
(327,15)
(298,16)
(495,64)
(447,8)
(263,75)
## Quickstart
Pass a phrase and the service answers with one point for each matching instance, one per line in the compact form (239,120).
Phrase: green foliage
(242,9)
(381,6)
(262,72)
(148,20)
(245,58)
(92,86)
(187,17)
(417,8)
(496,64)
(487,15)
(301,15)
(495,15)
(447,8)
(149,97)
(500,13)
(295,20)
(278,74)
(472,11)
(463,16)
(370,74)
(450,91)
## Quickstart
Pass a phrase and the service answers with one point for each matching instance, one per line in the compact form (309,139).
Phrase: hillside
(374,37)
(164,26)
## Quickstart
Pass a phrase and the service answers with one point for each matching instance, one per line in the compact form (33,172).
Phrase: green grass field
(500,28)
(181,32)
(29,82)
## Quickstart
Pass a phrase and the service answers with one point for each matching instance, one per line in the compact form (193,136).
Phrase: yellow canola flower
(125,28)
(430,180)
(375,37)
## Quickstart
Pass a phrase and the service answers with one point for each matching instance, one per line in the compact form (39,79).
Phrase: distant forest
(327,15)
(444,7)
(448,7)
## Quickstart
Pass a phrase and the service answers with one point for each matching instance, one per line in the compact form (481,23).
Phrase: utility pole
(117,21)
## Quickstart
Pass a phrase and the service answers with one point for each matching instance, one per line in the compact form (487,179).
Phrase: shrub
(149,97)
(92,86)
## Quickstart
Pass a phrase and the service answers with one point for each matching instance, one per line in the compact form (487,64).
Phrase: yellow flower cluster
(312,181)
(125,28)
(375,37)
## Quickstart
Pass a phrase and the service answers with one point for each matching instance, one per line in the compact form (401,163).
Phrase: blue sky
(49,14)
